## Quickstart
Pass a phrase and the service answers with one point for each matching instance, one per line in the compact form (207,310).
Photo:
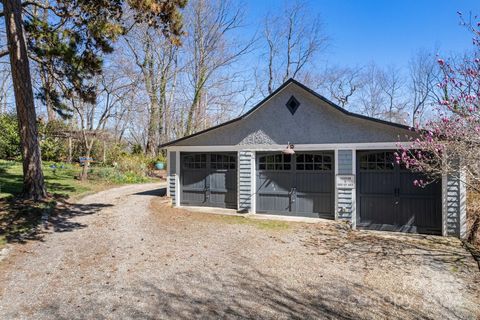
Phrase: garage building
(298,154)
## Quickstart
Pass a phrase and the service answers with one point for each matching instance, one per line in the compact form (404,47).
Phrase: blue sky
(383,31)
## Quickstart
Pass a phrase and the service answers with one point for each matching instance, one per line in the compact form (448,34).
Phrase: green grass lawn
(60,181)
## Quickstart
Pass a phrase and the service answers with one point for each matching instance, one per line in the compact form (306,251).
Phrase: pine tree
(69,45)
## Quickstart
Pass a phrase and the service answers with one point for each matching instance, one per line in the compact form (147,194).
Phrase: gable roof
(302,86)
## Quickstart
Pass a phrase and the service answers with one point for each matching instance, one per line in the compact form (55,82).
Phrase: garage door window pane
(320,162)
(198,161)
(378,161)
(222,162)
(278,162)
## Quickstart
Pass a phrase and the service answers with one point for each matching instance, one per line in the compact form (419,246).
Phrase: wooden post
(70,149)
(104,151)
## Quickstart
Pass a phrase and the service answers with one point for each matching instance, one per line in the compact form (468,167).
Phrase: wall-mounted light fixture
(289,149)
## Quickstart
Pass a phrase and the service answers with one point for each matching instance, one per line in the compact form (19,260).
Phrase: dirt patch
(164,210)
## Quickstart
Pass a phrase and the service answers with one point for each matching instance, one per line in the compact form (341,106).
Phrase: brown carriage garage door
(209,179)
(387,198)
(295,185)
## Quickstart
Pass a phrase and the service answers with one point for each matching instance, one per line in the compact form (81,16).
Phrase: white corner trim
(462,218)
(444,204)
(168,173)
(177,180)
(354,190)
(253,183)
(335,203)
(238,180)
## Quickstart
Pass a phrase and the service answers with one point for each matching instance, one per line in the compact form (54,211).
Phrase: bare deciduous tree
(341,83)
(92,118)
(210,49)
(371,98)
(293,39)
(424,76)
(155,58)
(392,85)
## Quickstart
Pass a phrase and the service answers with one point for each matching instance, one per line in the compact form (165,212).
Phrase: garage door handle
(292,194)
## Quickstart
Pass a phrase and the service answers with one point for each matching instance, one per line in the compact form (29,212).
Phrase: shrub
(9,138)
(53,145)
(128,177)
(137,149)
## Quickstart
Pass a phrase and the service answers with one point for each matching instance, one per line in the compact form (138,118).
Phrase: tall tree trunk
(151,148)
(46,83)
(162,110)
(150,84)
(33,182)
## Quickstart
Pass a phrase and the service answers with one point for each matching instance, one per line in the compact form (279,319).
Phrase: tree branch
(3,53)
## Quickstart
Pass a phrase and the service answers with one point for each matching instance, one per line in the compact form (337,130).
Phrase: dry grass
(160,205)
(473,219)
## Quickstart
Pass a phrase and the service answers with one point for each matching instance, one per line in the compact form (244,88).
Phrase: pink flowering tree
(451,140)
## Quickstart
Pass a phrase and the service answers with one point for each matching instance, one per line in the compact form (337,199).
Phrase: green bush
(53,145)
(53,149)
(137,149)
(128,177)
(9,138)
(102,173)
(128,169)
(115,151)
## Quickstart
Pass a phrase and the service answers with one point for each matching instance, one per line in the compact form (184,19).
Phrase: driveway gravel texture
(125,253)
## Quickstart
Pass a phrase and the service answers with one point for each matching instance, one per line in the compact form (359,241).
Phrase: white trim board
(354,190)
(253,183)
(168,173)
(444,205)
(335,167)
(298,147)
(177,180)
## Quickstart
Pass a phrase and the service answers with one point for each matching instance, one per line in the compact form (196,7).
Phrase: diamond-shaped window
(292,104)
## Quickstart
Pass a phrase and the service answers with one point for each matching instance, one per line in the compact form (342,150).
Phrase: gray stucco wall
(172,174)
(314,122)
(345,197)
(245,181)
(455,207)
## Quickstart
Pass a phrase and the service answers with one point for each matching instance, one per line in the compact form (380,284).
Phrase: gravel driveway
(123,253)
